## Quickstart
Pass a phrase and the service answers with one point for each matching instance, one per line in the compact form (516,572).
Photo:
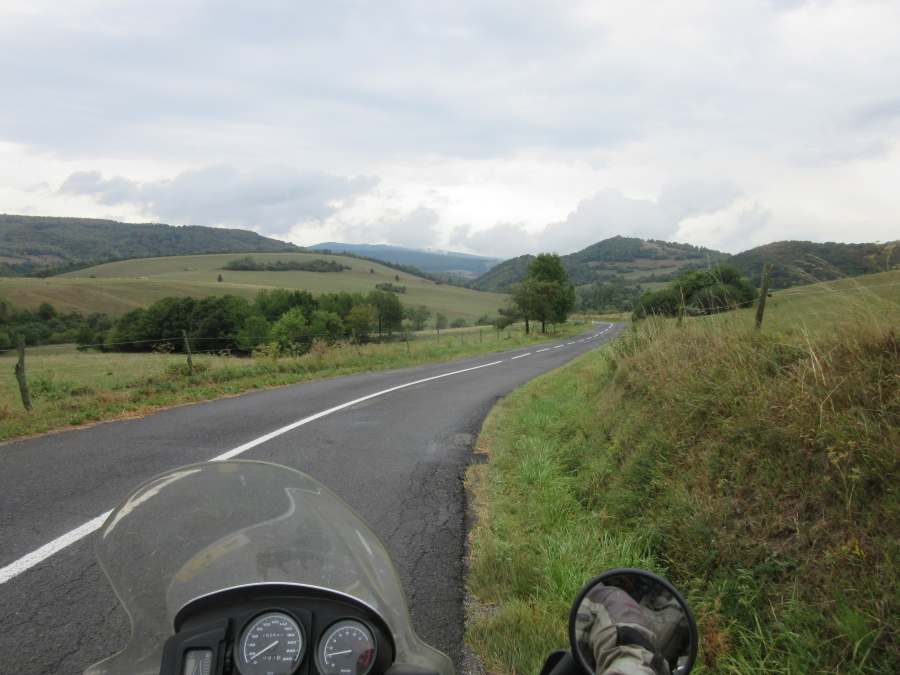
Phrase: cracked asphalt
(399,459)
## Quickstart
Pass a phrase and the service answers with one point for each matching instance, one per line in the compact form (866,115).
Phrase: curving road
(393,444)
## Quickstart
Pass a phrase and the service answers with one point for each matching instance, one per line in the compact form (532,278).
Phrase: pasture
(118,287)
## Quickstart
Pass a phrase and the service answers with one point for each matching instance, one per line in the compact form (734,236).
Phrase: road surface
(393,444)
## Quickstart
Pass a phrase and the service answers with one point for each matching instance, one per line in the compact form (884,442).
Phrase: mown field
(116,288)
(757,470)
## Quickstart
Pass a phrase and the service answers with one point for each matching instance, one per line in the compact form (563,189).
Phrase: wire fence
(63,369)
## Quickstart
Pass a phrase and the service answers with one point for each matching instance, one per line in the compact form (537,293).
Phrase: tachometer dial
(272,644)
(346,648)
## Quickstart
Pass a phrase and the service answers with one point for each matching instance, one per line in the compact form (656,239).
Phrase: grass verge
(70,388)
(756,470)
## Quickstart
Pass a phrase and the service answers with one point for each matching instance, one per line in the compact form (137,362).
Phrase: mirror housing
(632,613)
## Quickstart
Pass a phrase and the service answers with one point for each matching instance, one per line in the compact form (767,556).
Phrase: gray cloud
(269,200)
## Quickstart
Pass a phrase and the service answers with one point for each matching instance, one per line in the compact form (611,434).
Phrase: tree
(440,321)
(216,320)
(256,331)
(361,320)
(543,296)
(290,329)
(390,311)
(418,316)
(272,304)
(325,325)
(547,267)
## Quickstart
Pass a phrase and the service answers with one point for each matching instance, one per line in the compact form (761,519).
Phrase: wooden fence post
(763,292)
(187,348)
(20,375)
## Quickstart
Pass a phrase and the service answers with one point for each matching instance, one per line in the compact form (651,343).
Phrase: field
(117,287)
(757,470)
(69,387)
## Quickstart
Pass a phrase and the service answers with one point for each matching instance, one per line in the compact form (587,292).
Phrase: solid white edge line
(26,562)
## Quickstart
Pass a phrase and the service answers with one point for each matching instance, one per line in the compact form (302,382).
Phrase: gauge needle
(346,651)
(258,654)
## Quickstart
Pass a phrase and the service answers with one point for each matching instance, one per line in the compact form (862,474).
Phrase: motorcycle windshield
(208,527)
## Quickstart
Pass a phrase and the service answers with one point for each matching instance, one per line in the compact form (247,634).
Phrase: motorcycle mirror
(634,614)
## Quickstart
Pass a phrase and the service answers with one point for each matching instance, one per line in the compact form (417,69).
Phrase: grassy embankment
(756,470)
(69,387)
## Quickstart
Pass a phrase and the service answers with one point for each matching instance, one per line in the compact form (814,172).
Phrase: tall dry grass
(770,464)
(758,471)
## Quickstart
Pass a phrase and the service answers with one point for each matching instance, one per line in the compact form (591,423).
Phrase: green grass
(69,387)
(116,288)
(756,470)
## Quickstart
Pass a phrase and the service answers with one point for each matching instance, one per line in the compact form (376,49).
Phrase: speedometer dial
(272,644)
(346,648)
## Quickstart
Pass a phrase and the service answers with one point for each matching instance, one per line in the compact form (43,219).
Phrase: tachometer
(346,648)
(272,644)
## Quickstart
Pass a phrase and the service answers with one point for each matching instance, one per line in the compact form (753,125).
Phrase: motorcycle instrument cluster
(277,630)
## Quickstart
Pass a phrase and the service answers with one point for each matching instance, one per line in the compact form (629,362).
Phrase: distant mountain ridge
(30,243)
(447,262)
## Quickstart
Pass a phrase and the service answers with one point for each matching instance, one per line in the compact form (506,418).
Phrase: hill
(624,260)
(446,262)
(116,287)
(30,244)
(803,262)
(632,263)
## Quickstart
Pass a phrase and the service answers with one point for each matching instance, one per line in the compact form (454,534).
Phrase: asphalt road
(398,457)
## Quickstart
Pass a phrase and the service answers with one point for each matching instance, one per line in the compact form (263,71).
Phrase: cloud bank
(486,124)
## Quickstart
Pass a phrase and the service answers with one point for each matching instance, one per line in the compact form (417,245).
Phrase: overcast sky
(496,127)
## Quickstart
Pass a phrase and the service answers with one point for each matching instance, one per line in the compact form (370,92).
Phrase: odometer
(272,644)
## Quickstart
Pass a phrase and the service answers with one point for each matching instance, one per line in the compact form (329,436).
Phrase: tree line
(289,319)
(249,264)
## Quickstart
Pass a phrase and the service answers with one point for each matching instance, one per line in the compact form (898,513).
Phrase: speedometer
(272,644)
(346,648)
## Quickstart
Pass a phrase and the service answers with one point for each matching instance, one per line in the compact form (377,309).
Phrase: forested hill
(29,244)
(629,262)
(804,262)
(618,259)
